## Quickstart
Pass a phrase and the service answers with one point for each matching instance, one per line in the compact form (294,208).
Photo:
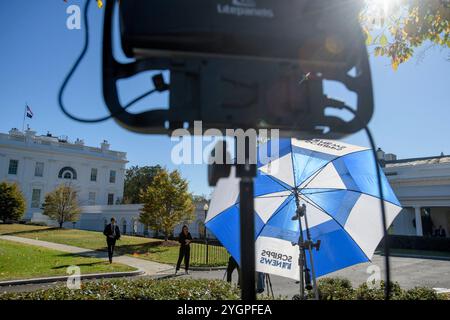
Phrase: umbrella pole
(301,212)
(308,236)
(301,257)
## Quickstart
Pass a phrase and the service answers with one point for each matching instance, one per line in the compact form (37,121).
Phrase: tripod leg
(269,286)
(315,288)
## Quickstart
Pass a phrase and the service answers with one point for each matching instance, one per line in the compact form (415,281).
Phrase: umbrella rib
(268,197)
(343,228)
(286,202)
(307,162)
(351,190)
(315,174)
(312,203)
(275,180)
(331,161)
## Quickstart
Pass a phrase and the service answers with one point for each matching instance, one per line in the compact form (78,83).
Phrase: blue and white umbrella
(337,183)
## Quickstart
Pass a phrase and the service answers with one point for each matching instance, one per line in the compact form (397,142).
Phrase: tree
(397,27)
(167,202)
(61,204)
(138,179)
(12,202)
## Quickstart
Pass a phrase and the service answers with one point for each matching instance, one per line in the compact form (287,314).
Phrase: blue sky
(411,118)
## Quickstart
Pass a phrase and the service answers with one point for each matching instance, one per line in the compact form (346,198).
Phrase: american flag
(29,112)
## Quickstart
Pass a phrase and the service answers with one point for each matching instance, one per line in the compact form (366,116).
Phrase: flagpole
(24,115)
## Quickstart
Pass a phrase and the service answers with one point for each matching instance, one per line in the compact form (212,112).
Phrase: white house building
(39,163)
(422,186)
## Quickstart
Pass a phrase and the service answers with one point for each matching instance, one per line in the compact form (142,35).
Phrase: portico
(423,187)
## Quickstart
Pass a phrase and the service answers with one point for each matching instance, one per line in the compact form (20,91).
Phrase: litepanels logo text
(246,8)
(244,3)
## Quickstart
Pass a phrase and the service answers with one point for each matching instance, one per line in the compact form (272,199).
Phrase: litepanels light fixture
(243,63)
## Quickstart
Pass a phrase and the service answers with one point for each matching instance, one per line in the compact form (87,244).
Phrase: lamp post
(205,208)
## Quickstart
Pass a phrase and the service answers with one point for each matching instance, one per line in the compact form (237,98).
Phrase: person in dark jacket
(185,239)
(232,264)
(112,234)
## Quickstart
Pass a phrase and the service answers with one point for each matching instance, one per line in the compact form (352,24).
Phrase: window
(124,227)
(93,174)
(112,176)
(13,165)
(36,198)
(110,199)
(39,169)
(67,173)
(91,198)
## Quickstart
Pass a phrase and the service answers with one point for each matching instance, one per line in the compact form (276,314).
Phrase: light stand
(305,276)
(301,256)
(246,172)
(268,285)
(206,208)
(310,246)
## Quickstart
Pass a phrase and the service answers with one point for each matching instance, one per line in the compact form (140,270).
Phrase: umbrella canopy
(336,181)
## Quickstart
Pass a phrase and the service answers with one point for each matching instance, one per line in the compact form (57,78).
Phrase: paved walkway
(149,267)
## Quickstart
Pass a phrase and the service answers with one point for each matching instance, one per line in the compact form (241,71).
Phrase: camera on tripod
(248,64)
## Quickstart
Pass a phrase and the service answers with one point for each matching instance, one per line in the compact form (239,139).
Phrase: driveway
(409,272)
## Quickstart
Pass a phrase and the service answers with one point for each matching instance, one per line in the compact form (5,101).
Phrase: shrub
(12,202)
(141,289)
(335,289)
(376,292)
(421,293)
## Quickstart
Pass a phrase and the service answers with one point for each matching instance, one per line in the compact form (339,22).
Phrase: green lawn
(22,261)
(217,256)
(79,238)
(13,228)
(144,248)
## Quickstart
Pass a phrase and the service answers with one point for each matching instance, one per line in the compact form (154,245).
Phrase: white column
(419,231)
(3,167)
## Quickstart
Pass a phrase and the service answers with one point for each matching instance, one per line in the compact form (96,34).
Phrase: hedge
(141,289)
(341,289)
(194,289)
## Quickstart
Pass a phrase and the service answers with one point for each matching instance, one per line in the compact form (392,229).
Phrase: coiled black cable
(387,288)
(74,68)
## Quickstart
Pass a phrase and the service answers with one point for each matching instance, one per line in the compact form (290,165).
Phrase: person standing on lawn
(232,264)
(184,239)
(112,234)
